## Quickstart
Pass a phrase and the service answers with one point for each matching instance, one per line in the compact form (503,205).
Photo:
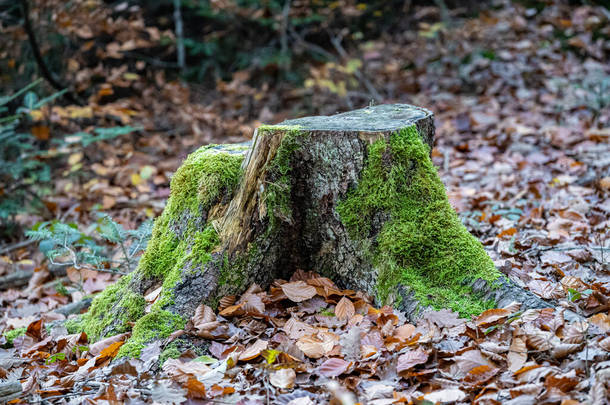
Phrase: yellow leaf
(136,179)
(75,158)
(36,115)
(131,76)
(80,112)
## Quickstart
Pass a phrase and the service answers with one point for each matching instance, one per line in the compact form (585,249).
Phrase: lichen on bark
(423,245)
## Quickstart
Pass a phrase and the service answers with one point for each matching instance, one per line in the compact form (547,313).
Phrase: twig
(284,32)
(22,277)
(151,61)
(179,36)
(336,41)
(44,70)
(17,245)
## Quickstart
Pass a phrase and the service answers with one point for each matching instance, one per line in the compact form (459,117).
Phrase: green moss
(197,184)
(116,305)
(12,334)
(423,244)
(158,324)
(75,325)
(201,178)
(170,352)
(177,242)
(278,187)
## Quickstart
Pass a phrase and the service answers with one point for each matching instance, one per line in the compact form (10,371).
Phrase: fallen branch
(10,390)
(22,277)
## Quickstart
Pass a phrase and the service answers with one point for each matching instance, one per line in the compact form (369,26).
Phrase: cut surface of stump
(353,197)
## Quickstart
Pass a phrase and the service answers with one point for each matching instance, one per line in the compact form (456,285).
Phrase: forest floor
(522,145)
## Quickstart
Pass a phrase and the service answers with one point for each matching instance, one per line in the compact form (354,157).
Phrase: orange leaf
(491,316)
(233,310)
(195,388)
(254,350)
(41,132)
(480,374)
(111,350)
(507,232)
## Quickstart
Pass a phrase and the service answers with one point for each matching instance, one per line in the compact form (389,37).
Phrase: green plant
(105,246)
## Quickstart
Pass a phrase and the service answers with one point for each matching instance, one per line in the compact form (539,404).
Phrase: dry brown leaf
(471,359)
(411,359)
(311,346)
(344,309)
(298,291)
(333,367)
(563,349)
(480,374)
(181,372)
(491,316)
(226,302)
(253,303)
(446,395)
(605,343)
(602,321)
(283,378)
(203,315)
(404,332)
(96,348)
(517,354)
(295,329)
(254,350)
(233,310)
(540,340)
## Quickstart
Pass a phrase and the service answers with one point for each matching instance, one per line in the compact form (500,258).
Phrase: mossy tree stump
(354,197)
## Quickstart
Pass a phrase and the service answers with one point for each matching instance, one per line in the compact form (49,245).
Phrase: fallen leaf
(97,348)
(491,316)
(411,359)
(181,372)
(298,291)
(283,378)
(446,395)
(517,354)
(254,350)
(311,346)
(333,367)
(194,388)
(344,309)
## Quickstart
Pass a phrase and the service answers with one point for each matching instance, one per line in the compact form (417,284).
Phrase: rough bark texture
(353,197)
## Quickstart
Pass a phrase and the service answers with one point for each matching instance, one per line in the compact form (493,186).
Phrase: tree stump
(353,197)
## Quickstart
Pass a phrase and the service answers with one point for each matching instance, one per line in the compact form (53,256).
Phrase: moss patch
(158,324)
(180,239)
(423,244)
(12,334)
(170,352)
(197,184)
(278,187)
(116,306)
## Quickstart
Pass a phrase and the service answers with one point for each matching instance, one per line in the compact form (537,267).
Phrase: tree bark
(353,197)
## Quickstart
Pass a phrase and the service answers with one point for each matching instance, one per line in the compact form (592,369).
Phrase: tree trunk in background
(353,197)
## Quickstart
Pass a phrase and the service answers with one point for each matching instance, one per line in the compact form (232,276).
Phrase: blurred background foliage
(165,76)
